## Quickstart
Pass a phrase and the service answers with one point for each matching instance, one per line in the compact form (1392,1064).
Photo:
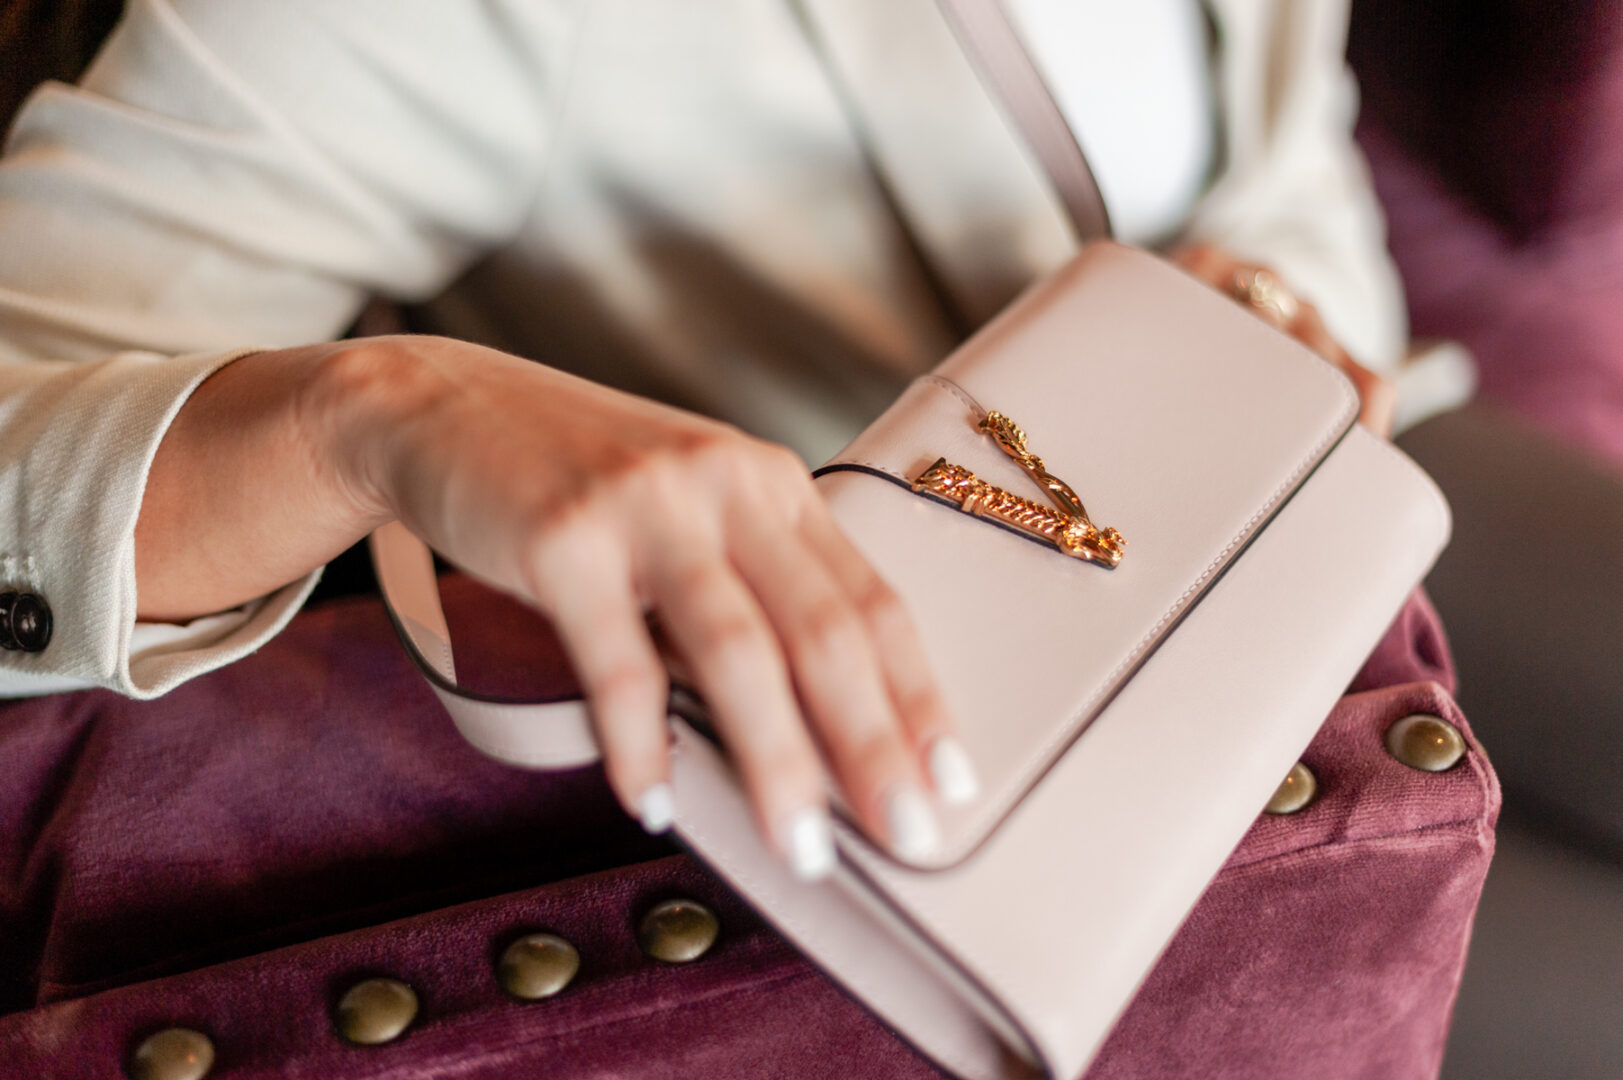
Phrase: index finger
(914,688)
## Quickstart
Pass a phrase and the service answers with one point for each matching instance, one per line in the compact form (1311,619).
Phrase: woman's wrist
(360,396)
(259,479)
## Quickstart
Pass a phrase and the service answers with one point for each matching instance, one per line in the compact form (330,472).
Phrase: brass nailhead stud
(1299,788)
(375,1011)
(172,1054)
(1425,742)
(537,966)
(678,931)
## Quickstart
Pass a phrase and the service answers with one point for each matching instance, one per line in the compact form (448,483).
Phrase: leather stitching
(954,389)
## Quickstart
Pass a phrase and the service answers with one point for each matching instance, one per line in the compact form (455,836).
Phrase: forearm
(254,484)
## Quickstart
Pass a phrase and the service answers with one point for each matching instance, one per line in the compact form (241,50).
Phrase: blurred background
(1494,129)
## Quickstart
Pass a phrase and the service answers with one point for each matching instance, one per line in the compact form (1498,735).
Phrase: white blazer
(666,196)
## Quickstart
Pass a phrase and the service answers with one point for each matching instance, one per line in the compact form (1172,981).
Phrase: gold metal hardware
(1425,742)
(537,966)
(1295,793)
(1012,439)
(678,931)
(1266,293)
(172,1054)
(375,1011)
(1065,524)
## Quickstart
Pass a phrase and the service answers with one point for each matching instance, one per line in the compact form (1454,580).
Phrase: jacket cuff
(80,440)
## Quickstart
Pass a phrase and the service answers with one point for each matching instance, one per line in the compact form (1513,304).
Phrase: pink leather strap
(538,735)
(984,31)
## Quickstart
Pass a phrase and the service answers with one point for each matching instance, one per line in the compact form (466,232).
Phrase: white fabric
(1295,193)
(1135,82)
(669,196)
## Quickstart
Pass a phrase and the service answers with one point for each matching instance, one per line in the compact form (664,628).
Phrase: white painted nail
(952,771)
(810,843)
(656,808)
(913,832)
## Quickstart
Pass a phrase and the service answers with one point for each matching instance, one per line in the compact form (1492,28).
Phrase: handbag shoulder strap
(538,735)
(1009,72)
(964,141)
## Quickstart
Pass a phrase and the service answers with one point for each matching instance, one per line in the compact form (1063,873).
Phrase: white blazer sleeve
(229,174)
(1295,193)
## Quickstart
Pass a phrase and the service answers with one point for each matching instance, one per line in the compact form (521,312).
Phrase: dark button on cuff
(25,621)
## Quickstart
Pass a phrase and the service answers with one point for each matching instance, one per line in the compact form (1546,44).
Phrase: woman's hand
(1261,292)
(600,508)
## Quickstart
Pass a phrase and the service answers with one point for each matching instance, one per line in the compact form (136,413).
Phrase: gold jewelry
(1065,524)
(1264,291)
(1013,441)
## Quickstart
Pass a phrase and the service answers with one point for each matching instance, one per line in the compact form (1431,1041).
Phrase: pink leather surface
(830,923)
(1186,433)
(557,735)
(1134,438)
(1064,910)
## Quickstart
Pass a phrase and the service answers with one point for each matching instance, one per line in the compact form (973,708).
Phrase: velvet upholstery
(1494,131)
(1505,100)
(230,856)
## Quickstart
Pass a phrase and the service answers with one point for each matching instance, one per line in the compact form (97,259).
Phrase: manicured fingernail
(656,809)
(952,771)
(913,832)
(809,839)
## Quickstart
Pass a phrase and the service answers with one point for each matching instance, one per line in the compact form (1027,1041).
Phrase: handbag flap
(1050,927)
(1178,417)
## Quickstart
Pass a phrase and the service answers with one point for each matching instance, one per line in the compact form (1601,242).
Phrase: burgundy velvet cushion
(1542,316)
(1497,97)
(230,857)
(1494,129)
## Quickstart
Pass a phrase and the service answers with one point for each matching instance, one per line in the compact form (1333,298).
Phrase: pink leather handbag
(1269,542)
(1247,547)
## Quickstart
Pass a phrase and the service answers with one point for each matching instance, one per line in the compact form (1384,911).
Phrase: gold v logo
(1065,524)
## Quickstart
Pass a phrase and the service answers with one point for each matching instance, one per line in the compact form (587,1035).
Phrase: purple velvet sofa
(232,857)
(1494,129)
